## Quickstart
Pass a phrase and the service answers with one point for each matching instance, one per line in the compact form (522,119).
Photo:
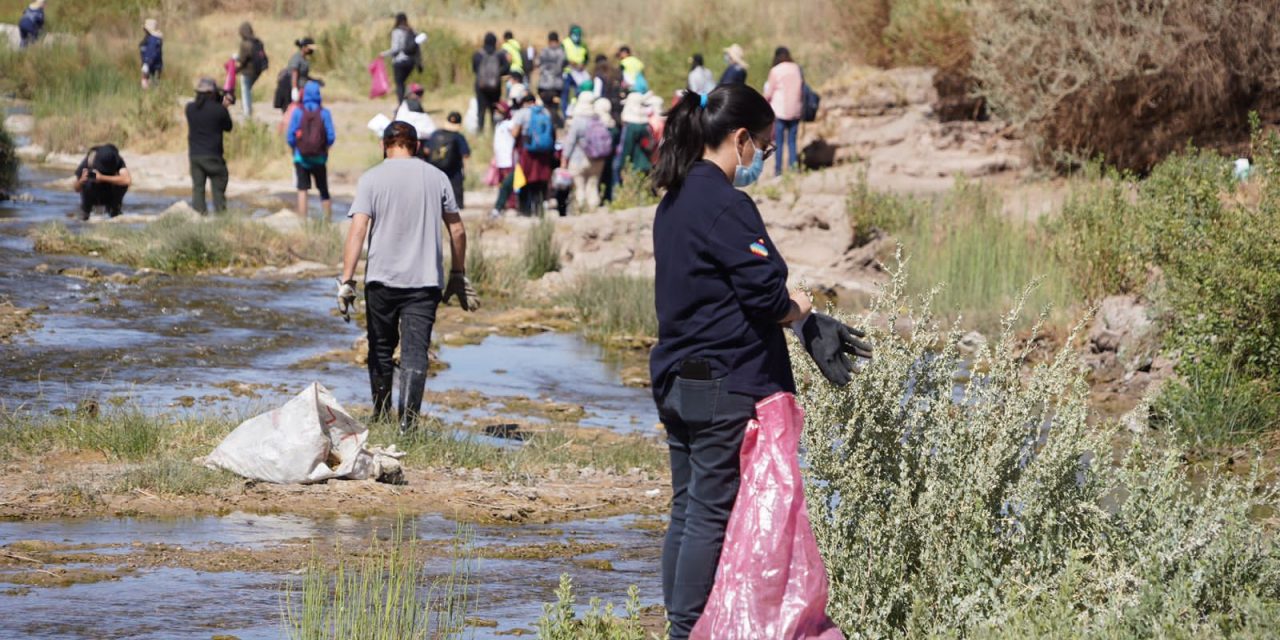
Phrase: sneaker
(495,214)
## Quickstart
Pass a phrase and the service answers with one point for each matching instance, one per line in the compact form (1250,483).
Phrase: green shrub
(933,33)
(1215,404)
(872,212)
(635,191)
(560,622)
(1098,234)
(541,252)
(1004,508)
(8,161)
(614,305)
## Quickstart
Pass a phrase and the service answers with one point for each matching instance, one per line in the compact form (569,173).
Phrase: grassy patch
(635,191)
(175,476)
(541,251)
(560,620)
(382,594)
(498,277)
(612,305)
(126,435)
(181,244)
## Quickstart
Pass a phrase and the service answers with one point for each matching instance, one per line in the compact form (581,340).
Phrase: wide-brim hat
(152,27)
(736,55)
(634,110)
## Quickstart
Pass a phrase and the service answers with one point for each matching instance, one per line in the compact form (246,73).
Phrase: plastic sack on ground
(378,84)
(308,439)
(771,583)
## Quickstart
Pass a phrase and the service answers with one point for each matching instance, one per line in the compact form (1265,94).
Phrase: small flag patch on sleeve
(759,249)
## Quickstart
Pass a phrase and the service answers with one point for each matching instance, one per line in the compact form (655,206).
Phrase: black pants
(95,194)
(214,170)
(533,198)
(551,98)
(457,182)
(705,425)
(401,71)
(317,172)
(486,101)
(401,317)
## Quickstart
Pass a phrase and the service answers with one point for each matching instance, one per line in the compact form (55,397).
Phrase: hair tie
(702,100)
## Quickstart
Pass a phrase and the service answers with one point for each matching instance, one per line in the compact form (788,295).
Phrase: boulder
(181,208)
(10,36)
(283,221)
(20,124)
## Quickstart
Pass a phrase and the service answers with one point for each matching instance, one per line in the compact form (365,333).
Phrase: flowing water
(160,345)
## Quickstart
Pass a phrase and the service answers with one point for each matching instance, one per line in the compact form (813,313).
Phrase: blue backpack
(540,135)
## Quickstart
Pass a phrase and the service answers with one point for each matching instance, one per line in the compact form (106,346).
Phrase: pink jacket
(783,91)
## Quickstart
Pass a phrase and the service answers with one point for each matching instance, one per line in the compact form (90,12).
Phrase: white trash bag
(309,439)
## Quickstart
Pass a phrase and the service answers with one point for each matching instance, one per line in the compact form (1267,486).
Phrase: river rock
(31,153)
(304,267)
(1123,325)
(284,221)
(20,124)
(181,208)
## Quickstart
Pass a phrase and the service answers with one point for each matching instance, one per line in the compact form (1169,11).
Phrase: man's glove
(460,286)
(830,342)
(346,298)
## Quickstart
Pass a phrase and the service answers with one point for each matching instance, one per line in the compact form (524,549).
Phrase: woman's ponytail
(682,143)
(698,122)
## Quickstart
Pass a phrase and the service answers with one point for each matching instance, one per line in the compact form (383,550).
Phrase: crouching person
(102,180)
(400,206)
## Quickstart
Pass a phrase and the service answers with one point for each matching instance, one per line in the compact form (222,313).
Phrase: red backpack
(312,139)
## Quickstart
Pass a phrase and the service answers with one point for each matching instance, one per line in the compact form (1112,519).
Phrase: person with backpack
(310,135)
(207,121)
(552,63)
(405,54)
(535,136)
(489,64)
(785,92)
(402,208)
(587,147)
(448,150)
(637,138)
(251,63)
(102,180)
(295,75)
(31,24)
(151,50)
(722,303)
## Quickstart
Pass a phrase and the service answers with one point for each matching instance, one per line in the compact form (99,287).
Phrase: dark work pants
(550,97)
(401,71)
(401,317)
(486,101)
(214,170)
(96,194)
(705,425)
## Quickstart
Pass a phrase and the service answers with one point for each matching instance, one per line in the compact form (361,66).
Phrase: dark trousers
(96,194)
(550,98)
(401,317)
(705,425)
(214,170)
(401,71)
(485,102)
(458,182)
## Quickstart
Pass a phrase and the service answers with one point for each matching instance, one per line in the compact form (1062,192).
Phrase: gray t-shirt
(405,199)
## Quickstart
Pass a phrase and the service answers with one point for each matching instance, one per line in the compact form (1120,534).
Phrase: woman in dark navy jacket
(722,303)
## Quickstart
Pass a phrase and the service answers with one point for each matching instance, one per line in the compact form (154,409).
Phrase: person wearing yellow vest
(632,71)
(576,73)
(514,53)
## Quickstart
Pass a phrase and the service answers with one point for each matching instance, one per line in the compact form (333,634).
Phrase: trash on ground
(311,438)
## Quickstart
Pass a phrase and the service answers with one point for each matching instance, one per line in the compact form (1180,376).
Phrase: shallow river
(177,337)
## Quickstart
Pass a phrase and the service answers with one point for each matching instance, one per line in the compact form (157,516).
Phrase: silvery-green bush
(950,504)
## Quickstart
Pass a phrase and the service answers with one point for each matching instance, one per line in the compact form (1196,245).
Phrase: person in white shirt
(504,158)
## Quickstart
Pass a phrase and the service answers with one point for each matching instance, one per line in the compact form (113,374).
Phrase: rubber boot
(412,385)
(381,385)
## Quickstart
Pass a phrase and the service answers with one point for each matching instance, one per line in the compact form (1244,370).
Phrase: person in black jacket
(722,302)
(207,120)
(102,179)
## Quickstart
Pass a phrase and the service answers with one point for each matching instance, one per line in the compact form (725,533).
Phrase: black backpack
(411,47)
(445,151)
(259,57)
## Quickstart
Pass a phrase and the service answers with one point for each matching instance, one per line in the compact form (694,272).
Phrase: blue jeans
(246,94)
(785,131)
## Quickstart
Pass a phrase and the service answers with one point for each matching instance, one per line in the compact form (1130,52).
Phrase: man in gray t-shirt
(402,206)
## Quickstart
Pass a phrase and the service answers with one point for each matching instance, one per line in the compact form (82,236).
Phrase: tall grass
(494,276)
(611,305)
(252,145)
(635,191)
(175,476)
(379,595)
(541,250)
(1006,511)
(181,244)
(965,241)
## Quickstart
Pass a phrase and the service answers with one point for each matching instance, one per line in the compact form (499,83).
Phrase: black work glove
(830,343)
(346,298)
(459,285)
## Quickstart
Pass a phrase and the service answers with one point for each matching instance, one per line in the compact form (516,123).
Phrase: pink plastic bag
(379,85)
(771,582)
